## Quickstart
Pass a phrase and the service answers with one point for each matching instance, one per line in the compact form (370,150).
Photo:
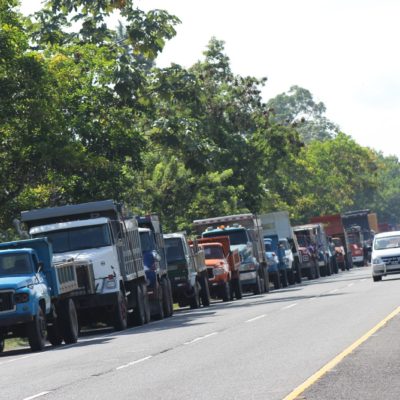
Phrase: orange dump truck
(222,267)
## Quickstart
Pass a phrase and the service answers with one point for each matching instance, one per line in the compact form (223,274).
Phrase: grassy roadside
(15,343)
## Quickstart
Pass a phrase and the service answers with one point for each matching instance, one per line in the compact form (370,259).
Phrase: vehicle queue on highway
(96,263)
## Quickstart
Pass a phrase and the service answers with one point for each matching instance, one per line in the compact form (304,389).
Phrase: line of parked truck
(96,263)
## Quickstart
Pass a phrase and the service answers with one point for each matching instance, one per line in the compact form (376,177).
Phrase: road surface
(261,347)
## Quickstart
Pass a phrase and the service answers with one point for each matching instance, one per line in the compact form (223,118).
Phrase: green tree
(298,108)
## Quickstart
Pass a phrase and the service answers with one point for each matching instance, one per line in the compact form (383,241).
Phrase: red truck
(334,228)
(222,267)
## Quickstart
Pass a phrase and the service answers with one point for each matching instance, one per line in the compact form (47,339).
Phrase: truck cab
(158,284)
(242,240)
(187,271)
(104,235)
(273,262)
(36,295)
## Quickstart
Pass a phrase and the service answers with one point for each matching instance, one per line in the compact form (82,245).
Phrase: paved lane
(261,347)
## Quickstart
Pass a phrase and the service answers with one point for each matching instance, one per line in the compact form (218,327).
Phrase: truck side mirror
(40,266)
(156,255)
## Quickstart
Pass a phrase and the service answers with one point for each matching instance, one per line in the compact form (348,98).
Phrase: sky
(345,52)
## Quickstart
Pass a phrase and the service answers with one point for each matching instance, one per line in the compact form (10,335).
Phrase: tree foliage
(85,114)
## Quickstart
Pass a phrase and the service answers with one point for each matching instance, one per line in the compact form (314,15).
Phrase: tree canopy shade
(86,114)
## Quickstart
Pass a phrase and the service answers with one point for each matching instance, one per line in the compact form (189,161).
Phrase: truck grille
(391,260)
(6,301)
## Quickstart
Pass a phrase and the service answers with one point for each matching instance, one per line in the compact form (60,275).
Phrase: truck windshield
(268,246)
(146,241)
(174,250)
(390,242)
(15,264)
(236,236)
(303,240)
(87,237)
(213,252)
(337,242)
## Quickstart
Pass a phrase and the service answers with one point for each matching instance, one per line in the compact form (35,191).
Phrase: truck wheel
(69,322)
(226,291)
(139,316)
(317,272)
(291,278)
(195,299)
(299,278)
(377,278)
(158,304)
(120,313)
(167,297)
(237,288)
(205,292)
(147,309)
(257,285)
(54,335)
(266,282)
(284,278)
(37,331)
(276,280)
(1,343)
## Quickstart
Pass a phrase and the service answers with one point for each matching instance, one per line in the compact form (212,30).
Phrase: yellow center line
(331,364)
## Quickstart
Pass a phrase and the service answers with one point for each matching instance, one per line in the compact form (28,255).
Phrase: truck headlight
(218,271)
(21,298)
(377,260)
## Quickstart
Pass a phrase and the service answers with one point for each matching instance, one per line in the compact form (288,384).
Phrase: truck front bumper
(248,278)
(14,319)
(383,269)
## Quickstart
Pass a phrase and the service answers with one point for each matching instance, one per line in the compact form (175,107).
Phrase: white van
(385,255)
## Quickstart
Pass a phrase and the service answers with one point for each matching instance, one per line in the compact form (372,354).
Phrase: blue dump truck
(159,287)
(37,295)
(245,234)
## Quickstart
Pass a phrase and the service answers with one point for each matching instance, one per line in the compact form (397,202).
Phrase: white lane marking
(202,338)
(20,358)
(36,396)
(256,318)
(350,284)
(334,291)
(133,363)
(362,280)
(313,298)
(289,306)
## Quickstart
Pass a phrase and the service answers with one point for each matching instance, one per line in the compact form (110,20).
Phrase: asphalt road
(261,347)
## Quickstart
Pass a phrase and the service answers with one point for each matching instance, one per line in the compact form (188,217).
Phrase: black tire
(158,305)
(257,286)
(226,291)
(276,280)
(147,309)
(377,278)
(37,331)
(1,343)
(120,315)
(291,277)
(299,278)
(205,291)
(266,282)
(138,318)
(322,270)
(284,278)
(54,335)
(195,299)
(167,297)
(317,271)
(69,326)
(237,288)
